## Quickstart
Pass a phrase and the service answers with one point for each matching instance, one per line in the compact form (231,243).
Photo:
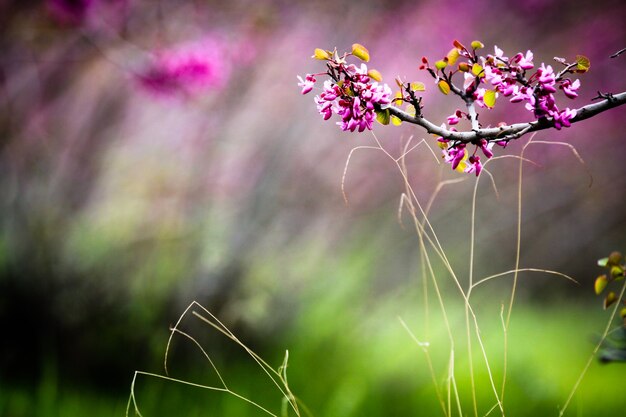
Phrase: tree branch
(509,132)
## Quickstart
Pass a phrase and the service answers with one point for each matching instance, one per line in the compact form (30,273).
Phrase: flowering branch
(358,96)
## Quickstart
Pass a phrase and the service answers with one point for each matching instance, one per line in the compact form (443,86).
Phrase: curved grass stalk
(594,352)
(424,346)
(434,241)
(279,378)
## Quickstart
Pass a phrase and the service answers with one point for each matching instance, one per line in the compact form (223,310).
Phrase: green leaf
(444,87)
(600,284)
(603,262)
(383,116)
(582,63)
(609,299)
(360,52)
(452,56)
(617,272)
(395,121)
(418,86)
(490,98)
(375,75)
(477,70)
(321,54)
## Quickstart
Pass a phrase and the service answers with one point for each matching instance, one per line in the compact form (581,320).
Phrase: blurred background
(129,189)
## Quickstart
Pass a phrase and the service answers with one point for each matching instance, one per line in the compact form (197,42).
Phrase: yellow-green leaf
(582,63)
(360,52)
(609,299)
(441,64)
(321,54)
(452,56)
(600,284)
(418,86)
(489,98)
(395,121)
(398,98)
(444,87)
(375,74)
(617,272)
(603,262)
(622,313)
(464,67)
(383,116)
(477,45)
(477,70)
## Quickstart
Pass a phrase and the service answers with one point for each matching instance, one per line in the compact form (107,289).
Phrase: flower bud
(477,45)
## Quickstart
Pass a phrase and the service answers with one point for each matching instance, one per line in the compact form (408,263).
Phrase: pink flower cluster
(460,159)
(351,95)
(508,78)
(188,69)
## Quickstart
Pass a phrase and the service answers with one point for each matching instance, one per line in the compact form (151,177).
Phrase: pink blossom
(455,155)
(563,118)
(474,165)
(547,78)
(570,88)
(486,148)
(453,119)
(306,84)
(524,61)
(187,69)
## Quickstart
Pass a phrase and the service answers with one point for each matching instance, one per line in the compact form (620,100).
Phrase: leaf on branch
(441,64)
(444,87)
(490,98)
(452,56)
(321,54)
(360,52)
(582,63)
(418,86)
(477,45)
(477,70)
(395,121)
(609,299)
(375,75)
(398,98)
(458,45)
(600,284)
(383,116)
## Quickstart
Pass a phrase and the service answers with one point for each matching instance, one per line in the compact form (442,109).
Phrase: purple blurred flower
(71,12)
(188,69)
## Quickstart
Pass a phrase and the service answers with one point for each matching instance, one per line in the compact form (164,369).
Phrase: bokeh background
(124,197)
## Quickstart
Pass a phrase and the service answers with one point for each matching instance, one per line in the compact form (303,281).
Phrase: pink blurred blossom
(189,69)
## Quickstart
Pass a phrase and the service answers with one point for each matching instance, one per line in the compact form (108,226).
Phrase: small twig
(618,53)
